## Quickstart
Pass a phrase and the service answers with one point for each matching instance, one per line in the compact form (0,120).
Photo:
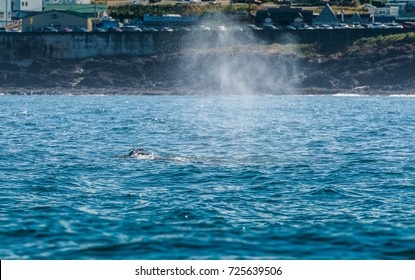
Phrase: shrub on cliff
(137,11)
(372,45)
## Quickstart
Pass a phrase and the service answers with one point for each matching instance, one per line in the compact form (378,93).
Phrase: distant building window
(1,14)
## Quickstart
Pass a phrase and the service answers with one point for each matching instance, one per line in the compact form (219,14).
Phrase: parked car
(377,25)
(80,29)
(166,28)
(150,29)
(131,28)
(269,27)
(357,26)
(220,28)
(49,29)
(201,28)
(67,29)
(114,29)
(323,26)
(408,24)
(99,29)
(254,27)
(241,14)
(394,25)
(184,28)
(235,28)
(290,27)
(301,27)
(341,26)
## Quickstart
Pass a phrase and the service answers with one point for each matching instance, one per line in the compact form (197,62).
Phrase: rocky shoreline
(369,66)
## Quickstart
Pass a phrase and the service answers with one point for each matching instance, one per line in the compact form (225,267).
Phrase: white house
(406,7)
(5,12)
(384,11)
(17,9)
(31,5)
(39,5)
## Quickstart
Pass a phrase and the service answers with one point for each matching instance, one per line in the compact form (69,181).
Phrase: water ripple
(261,177)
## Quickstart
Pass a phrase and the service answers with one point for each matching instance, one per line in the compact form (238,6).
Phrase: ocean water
(229,177)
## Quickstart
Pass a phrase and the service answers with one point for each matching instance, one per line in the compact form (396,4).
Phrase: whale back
(138,153)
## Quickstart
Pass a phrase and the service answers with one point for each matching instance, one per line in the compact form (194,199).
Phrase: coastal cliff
(372,65)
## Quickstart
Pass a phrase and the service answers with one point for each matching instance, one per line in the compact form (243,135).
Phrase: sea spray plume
(232,59)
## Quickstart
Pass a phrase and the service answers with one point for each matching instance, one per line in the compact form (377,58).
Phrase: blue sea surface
(232,177)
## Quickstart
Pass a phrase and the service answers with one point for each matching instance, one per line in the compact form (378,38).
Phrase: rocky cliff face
(380,64)
(369,65)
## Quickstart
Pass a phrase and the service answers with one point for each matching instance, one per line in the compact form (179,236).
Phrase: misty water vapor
(233,61)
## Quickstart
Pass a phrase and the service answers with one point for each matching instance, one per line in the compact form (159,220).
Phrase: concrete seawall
(18,47)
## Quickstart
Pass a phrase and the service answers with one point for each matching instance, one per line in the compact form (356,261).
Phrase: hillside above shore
(372,65)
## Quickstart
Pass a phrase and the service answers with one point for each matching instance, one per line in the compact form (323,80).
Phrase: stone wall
(18,47)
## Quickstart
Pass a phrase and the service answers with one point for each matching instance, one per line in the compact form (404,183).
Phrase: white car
(358,26)
(325,26)
(131,28)
(341,26)
(394,25)
(377,25)
(166,29)
(220,28)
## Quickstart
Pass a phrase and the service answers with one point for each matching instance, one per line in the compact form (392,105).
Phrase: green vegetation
(346,9)
(137,11)
(372,44)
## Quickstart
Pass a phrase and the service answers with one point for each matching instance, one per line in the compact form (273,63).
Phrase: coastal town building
(406,8)
(58,20)
(283,16)
(5,12)
(326,16)
(61,16)
(383,14)
(22,8)
(31,5)
(18,9)
(90,10)
(355,19)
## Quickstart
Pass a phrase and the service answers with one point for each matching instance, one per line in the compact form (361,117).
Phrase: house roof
(355,18)
(64,12)
(283,15)
(79,8)
(327,15)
